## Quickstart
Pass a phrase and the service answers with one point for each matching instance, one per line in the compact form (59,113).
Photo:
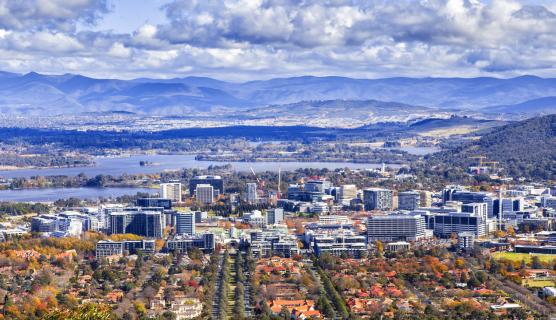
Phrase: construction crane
(279,182)
(480,159)
(260,183)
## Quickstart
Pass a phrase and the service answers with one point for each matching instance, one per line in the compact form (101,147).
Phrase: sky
(241,40)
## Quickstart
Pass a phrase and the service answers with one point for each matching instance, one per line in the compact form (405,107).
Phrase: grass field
(523,256)
(537,283)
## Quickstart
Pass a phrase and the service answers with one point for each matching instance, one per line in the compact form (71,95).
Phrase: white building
(252,193)
(171,191)
(346,193)
(274,216)
(396,227)
(204,193)
(334,220)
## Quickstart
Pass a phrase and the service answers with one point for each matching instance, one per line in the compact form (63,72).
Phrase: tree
(511,231)
(536,263)
(86,311)
(140,308)
(379,247)
(285,313)
(169,315)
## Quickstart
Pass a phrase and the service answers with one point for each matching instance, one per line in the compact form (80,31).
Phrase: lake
(130,165)
(53,194)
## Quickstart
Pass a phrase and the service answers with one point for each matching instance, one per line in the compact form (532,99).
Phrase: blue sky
(126,16)
(242,40)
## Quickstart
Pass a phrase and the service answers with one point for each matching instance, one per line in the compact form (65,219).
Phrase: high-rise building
(215,181)
(155,202)
(461,195)
(409,200)
(171,190)
(143,223)
(395,227)
(448,224)
(347,192)
(204,193)
(425,198)
(317,185)
(274,216)
(251,193)
(378,199)
(185,223)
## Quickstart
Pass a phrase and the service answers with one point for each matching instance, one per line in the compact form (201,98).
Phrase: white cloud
(243,39)
(118,50)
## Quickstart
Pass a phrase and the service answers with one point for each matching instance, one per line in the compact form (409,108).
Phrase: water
(53,194)
(130,165)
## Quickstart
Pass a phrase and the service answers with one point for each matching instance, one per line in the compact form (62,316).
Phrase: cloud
(245,39)
(49,14)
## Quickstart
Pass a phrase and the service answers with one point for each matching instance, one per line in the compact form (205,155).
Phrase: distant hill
(526,148)
(342,113)
(37,94)
(540,106)
(449,126)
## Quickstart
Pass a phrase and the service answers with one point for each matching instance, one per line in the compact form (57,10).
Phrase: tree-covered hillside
(526,148)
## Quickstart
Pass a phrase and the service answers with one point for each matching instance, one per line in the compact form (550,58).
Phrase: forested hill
(526,148)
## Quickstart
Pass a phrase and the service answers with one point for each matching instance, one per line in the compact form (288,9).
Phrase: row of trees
(210,276)
(331,295)
(224,287)
(239,305)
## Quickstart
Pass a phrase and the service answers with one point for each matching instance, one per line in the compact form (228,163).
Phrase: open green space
(513,256)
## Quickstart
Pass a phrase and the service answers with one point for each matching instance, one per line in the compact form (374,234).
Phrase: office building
(171,191)
(480,209)
(251,193)
(44,223)
(457,222)
(204,193)
(398,246)
(274,216)
(334,220)
(200,216)
(425,198)
(61,225)
(215,181)
(273,240)
(466,240)
(347,192)
(166,204)
(185,223)
(409,200)
(378,199)
(107,248)
(395,227)
(317,185)
(143,223)
(345,243)
(255,219)
(183,243)
(465,197)
(548,202)
(319,208)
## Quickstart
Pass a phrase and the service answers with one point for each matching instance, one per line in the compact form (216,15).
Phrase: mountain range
(38,94)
